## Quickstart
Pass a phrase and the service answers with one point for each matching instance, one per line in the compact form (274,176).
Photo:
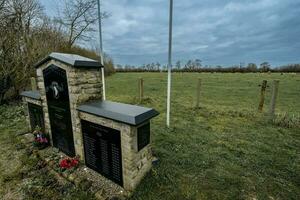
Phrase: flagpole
(169,64)
(101,52)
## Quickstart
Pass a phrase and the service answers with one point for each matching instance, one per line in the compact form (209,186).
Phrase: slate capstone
(72,60)
(32,94)
(129,114)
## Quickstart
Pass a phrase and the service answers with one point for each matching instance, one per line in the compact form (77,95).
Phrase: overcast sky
(219,32)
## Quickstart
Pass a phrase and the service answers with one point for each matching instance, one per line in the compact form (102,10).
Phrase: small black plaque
(143,136)
(36,116)
(102,148)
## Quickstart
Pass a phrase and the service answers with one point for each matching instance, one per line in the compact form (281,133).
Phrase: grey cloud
(218,32)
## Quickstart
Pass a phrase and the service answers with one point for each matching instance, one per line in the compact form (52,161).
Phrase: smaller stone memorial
(35,109)
(111,138)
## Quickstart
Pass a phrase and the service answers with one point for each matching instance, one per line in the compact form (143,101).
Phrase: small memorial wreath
(41,140)
(69,163)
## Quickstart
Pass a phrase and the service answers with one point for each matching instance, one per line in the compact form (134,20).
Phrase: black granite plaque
(36,116)
(102,148)
(143,136)
(58,101)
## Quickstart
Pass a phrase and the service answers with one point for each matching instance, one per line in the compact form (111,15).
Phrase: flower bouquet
(69,164)
(40,139)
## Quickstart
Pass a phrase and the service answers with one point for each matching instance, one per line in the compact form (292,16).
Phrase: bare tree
(27,35)
(18,17)
(77,19)
(2,7)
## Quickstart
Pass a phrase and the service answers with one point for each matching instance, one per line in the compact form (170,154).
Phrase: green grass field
(223,150)
(219,91)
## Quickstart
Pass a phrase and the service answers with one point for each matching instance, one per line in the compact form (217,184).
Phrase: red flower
(44,140)
(68,163)
(74,162)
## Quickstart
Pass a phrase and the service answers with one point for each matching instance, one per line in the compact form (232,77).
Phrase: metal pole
(169,64)
(101,51)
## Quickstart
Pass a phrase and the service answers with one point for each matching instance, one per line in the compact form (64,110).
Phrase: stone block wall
(83,85)
(135,164)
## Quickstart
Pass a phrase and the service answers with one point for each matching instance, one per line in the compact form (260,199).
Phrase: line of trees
(196,66)
(28,34)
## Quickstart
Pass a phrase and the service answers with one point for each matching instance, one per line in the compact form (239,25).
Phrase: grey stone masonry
(135,164)
(33,101)
(83,85)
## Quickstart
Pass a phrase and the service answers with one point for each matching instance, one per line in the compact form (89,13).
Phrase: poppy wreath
(68,163)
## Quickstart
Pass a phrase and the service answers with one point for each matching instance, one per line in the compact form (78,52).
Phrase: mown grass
(222,150)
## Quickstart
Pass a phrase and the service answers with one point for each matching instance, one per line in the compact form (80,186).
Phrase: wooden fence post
(262,95)
(274,98)
(33,84)
(141,89)
(198,93)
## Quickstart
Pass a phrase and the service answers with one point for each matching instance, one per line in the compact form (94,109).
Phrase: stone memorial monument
(110,138)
